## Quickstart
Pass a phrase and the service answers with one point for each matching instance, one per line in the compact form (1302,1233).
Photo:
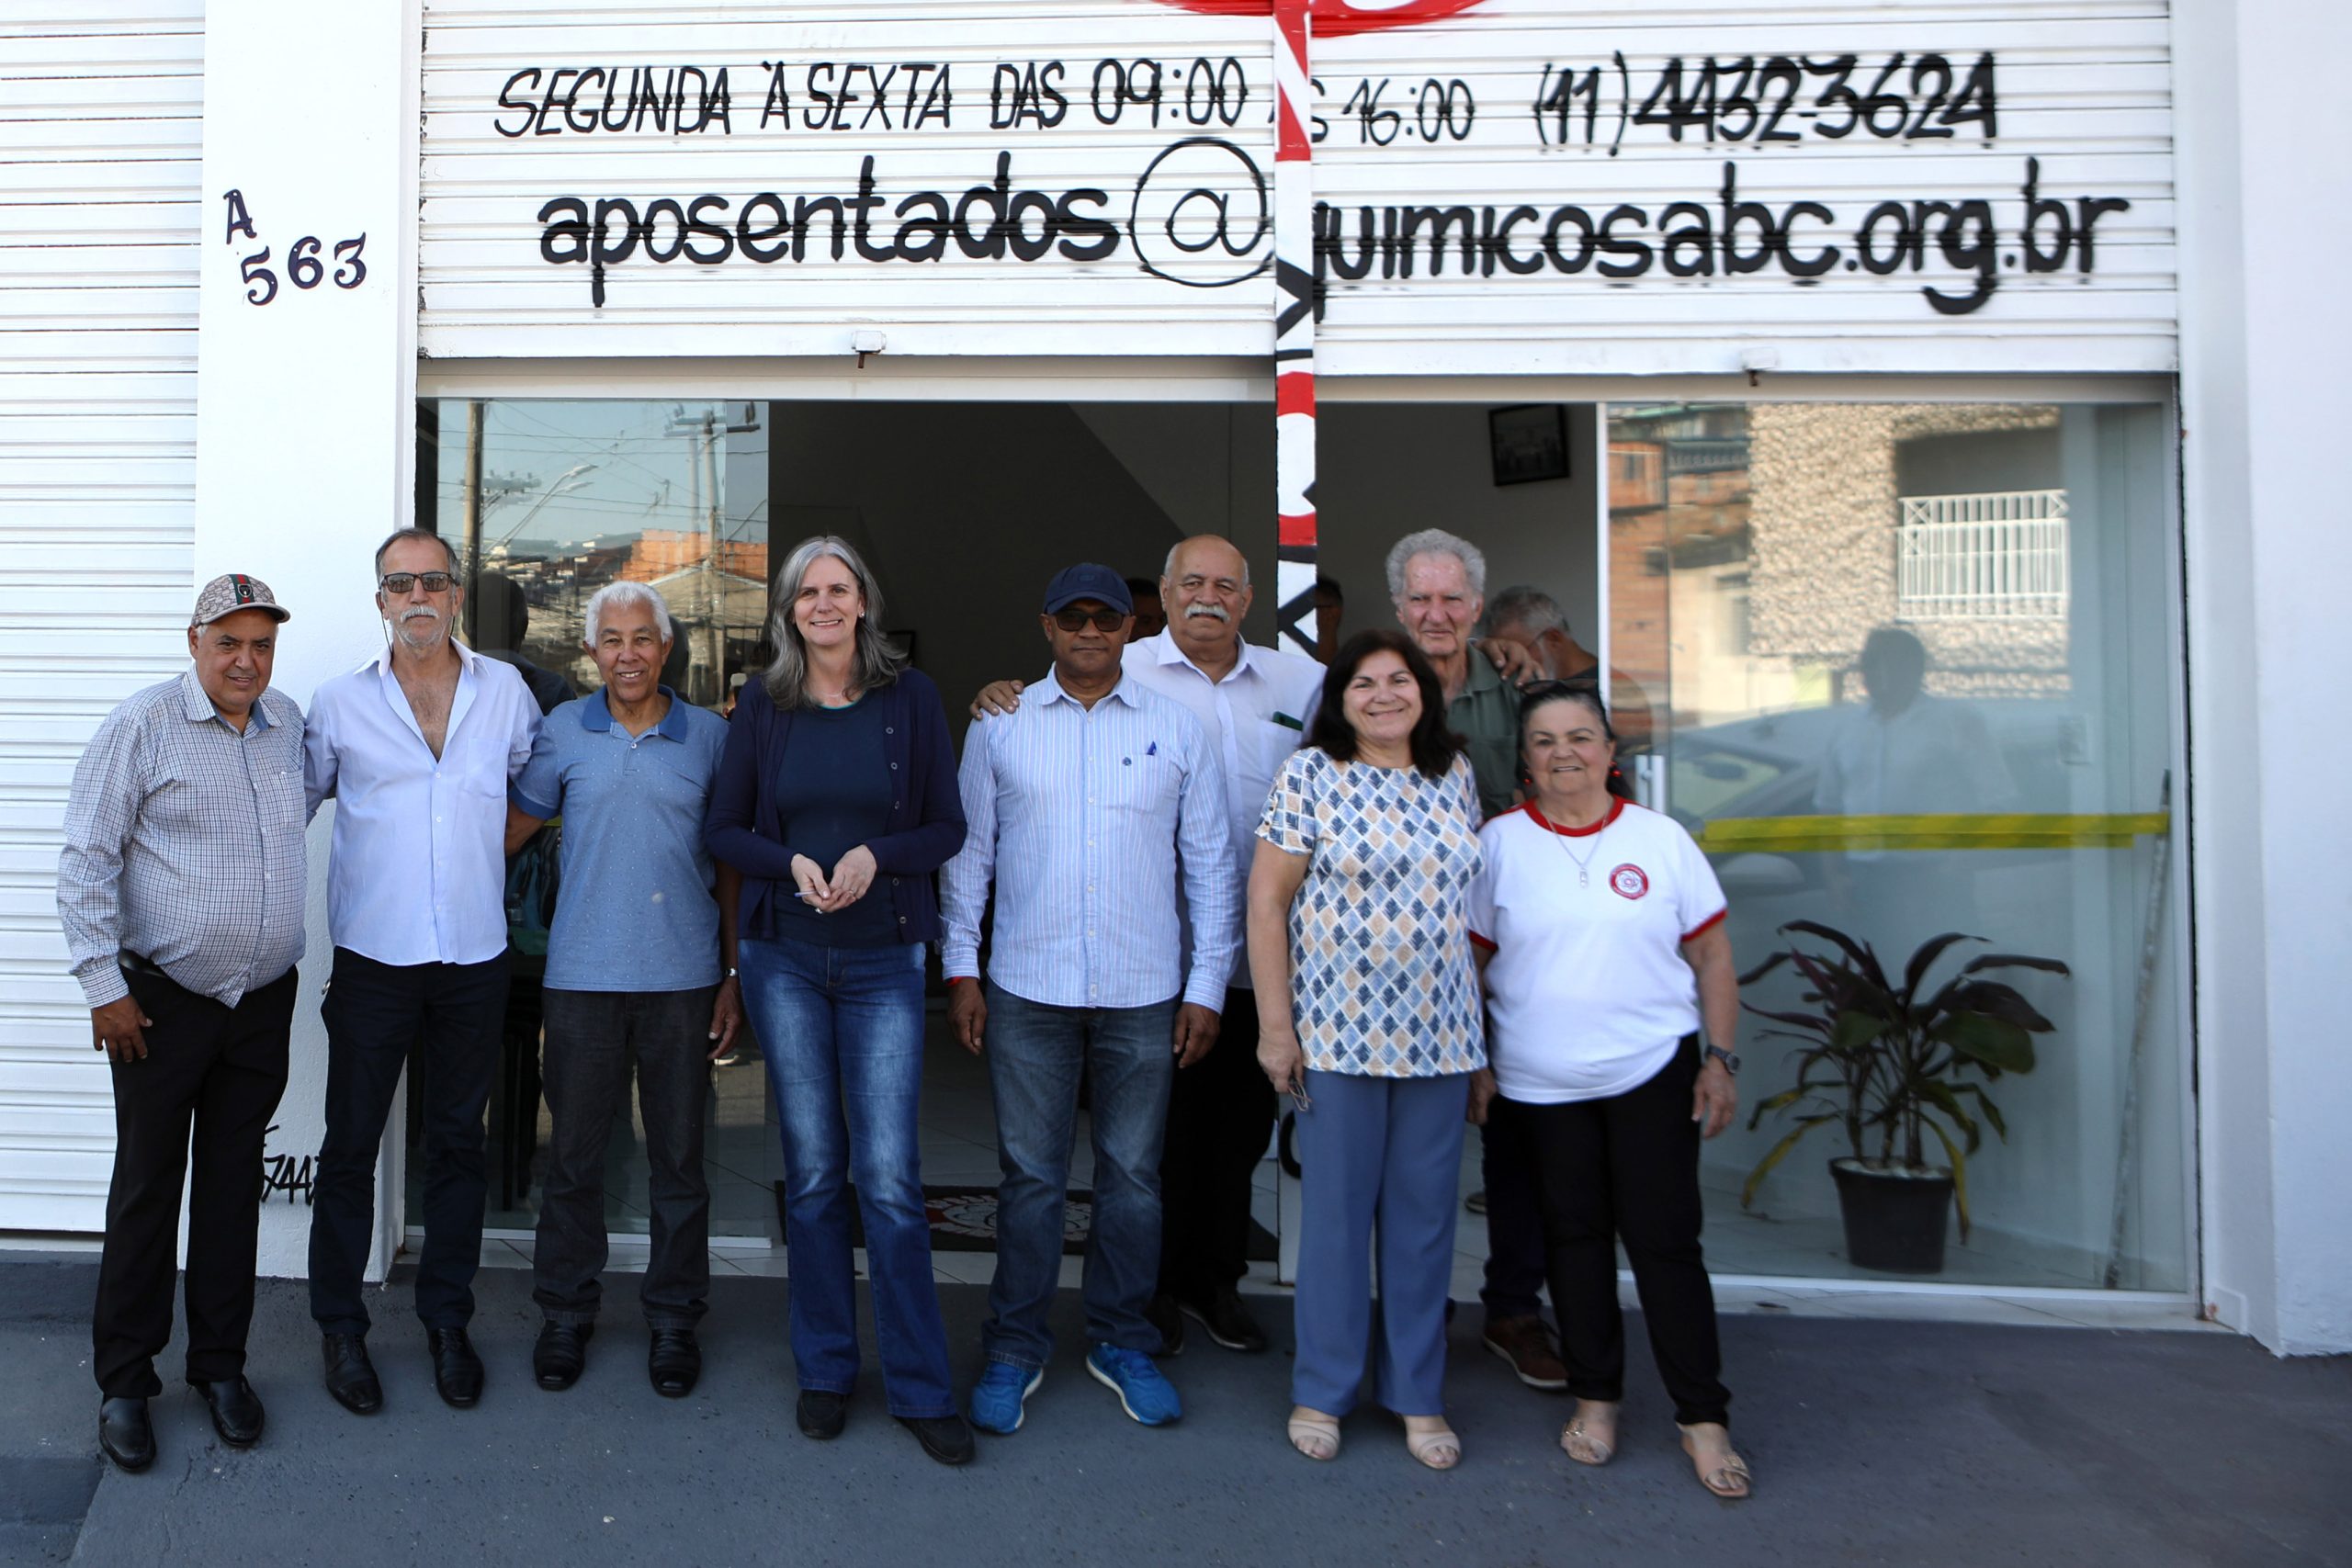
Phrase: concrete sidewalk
(1873,1442)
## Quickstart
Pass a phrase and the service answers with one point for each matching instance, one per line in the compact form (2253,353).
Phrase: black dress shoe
(822,1415)
(351,1376)
(562,1354)
(674,1362)
(126,1435)
(457,1370)
(1228,1321)
(236,1409)
(947,1438)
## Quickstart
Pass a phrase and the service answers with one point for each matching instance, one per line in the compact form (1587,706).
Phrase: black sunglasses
(1076,620)
(401,581)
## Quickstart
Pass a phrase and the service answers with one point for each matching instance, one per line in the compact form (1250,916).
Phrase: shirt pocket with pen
(1145,781)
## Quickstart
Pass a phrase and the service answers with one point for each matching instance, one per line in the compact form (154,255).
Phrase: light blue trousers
(1380,1157)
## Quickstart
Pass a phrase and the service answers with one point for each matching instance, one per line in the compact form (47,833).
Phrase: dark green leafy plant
(1891,1065)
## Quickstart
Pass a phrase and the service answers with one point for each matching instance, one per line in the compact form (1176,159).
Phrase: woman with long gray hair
(836,799)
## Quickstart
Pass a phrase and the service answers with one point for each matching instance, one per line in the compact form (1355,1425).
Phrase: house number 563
(305,267)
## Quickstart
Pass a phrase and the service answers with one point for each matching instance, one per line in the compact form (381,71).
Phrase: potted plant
(1893,1063)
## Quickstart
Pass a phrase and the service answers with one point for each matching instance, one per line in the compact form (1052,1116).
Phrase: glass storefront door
(1910,669)
(548,502)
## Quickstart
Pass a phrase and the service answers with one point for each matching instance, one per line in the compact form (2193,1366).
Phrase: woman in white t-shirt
(1598,931)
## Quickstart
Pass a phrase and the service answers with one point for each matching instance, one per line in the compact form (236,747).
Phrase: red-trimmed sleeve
(1487,943)
(1699,897)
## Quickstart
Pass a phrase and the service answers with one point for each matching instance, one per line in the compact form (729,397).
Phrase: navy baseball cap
(1087,580)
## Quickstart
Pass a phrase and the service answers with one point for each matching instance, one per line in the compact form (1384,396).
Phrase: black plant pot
(1894,1221)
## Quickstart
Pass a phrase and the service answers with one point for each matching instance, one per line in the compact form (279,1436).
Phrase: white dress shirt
(1084,819)
(418,869)
(1255,717)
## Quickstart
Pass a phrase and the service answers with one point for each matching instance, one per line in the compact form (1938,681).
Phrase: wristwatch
(1730,1061)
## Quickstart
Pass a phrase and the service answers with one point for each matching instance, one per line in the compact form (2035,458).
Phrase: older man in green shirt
(1439,584)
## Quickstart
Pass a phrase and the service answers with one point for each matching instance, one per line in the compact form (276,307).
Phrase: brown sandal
(1730,1479)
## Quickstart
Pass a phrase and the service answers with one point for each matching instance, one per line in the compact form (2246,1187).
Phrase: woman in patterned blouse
(1368,1017)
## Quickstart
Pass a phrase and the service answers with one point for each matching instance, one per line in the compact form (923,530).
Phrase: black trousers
(1514,1225)
(595,1039)
(452,1016)
(1220,1113)
(216,1071)
(1626,1168)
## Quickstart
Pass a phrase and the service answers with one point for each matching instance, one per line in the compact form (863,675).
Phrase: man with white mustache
(416,747)
(1255,704)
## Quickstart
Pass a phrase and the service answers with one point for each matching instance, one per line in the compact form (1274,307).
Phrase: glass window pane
(1915,662)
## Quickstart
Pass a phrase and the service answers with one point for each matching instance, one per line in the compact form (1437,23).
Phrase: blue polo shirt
(634,910)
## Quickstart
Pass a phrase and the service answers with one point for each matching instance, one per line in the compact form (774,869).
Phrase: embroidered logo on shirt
(1629,882)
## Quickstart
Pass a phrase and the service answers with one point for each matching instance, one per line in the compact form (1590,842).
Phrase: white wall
(306,405)
(2268,206)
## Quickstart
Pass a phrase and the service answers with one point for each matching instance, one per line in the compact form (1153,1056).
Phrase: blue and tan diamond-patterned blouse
(1382,983)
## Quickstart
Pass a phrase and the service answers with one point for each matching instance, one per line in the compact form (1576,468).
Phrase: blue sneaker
(1143,1393)
(1002,1397)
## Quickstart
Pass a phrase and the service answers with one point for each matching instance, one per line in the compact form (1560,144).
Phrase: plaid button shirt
(184,843)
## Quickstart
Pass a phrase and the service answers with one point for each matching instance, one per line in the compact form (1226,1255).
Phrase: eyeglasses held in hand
(401,581)
(1075,620)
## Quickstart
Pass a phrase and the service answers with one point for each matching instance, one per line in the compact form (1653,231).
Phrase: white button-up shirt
(1254,718)
(1085,819)
(418,867)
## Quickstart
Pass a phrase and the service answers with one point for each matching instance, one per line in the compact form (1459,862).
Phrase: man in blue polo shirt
(641,969)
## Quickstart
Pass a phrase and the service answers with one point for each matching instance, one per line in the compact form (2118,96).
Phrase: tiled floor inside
(1759,1265)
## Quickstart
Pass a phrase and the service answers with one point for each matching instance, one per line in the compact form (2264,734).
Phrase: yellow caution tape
(2036,830)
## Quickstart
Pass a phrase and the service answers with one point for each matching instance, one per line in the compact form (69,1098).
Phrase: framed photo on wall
(1529,442)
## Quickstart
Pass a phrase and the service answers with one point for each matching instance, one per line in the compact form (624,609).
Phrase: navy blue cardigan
(925,826)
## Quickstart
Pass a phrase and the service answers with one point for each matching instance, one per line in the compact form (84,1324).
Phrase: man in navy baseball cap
(1088,581)
(1095,816)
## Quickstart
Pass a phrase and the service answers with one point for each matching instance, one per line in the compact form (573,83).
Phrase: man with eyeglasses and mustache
(416,747)
(1087,811)
(1254,704)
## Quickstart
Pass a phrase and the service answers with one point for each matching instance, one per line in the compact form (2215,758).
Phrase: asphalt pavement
(1873,1442)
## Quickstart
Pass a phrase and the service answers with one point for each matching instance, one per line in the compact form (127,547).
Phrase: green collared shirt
(1486,715)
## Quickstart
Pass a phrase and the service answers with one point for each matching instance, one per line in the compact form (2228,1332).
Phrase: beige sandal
(1729,1479)
(1315,1435)
(1439,1448)
(1582,1446)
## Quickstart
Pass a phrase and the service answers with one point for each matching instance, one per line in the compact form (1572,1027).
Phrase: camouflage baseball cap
(231,592)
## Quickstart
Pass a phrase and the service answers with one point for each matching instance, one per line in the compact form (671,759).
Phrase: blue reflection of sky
(571,472)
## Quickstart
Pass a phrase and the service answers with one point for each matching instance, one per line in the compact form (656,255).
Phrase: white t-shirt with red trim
(1588,991)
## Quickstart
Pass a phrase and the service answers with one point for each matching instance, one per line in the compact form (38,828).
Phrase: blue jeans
(1034,1053)
(841,1029)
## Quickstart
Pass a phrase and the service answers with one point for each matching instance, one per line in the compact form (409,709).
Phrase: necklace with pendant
(1584,866)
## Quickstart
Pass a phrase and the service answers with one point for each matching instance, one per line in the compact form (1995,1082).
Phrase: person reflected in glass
(1598,931)
(836,799)
(1907,752)
(1368,1019)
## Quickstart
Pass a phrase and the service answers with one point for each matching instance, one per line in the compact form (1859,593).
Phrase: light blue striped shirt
(1084,817)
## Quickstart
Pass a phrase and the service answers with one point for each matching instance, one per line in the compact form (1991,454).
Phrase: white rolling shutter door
(100,213)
